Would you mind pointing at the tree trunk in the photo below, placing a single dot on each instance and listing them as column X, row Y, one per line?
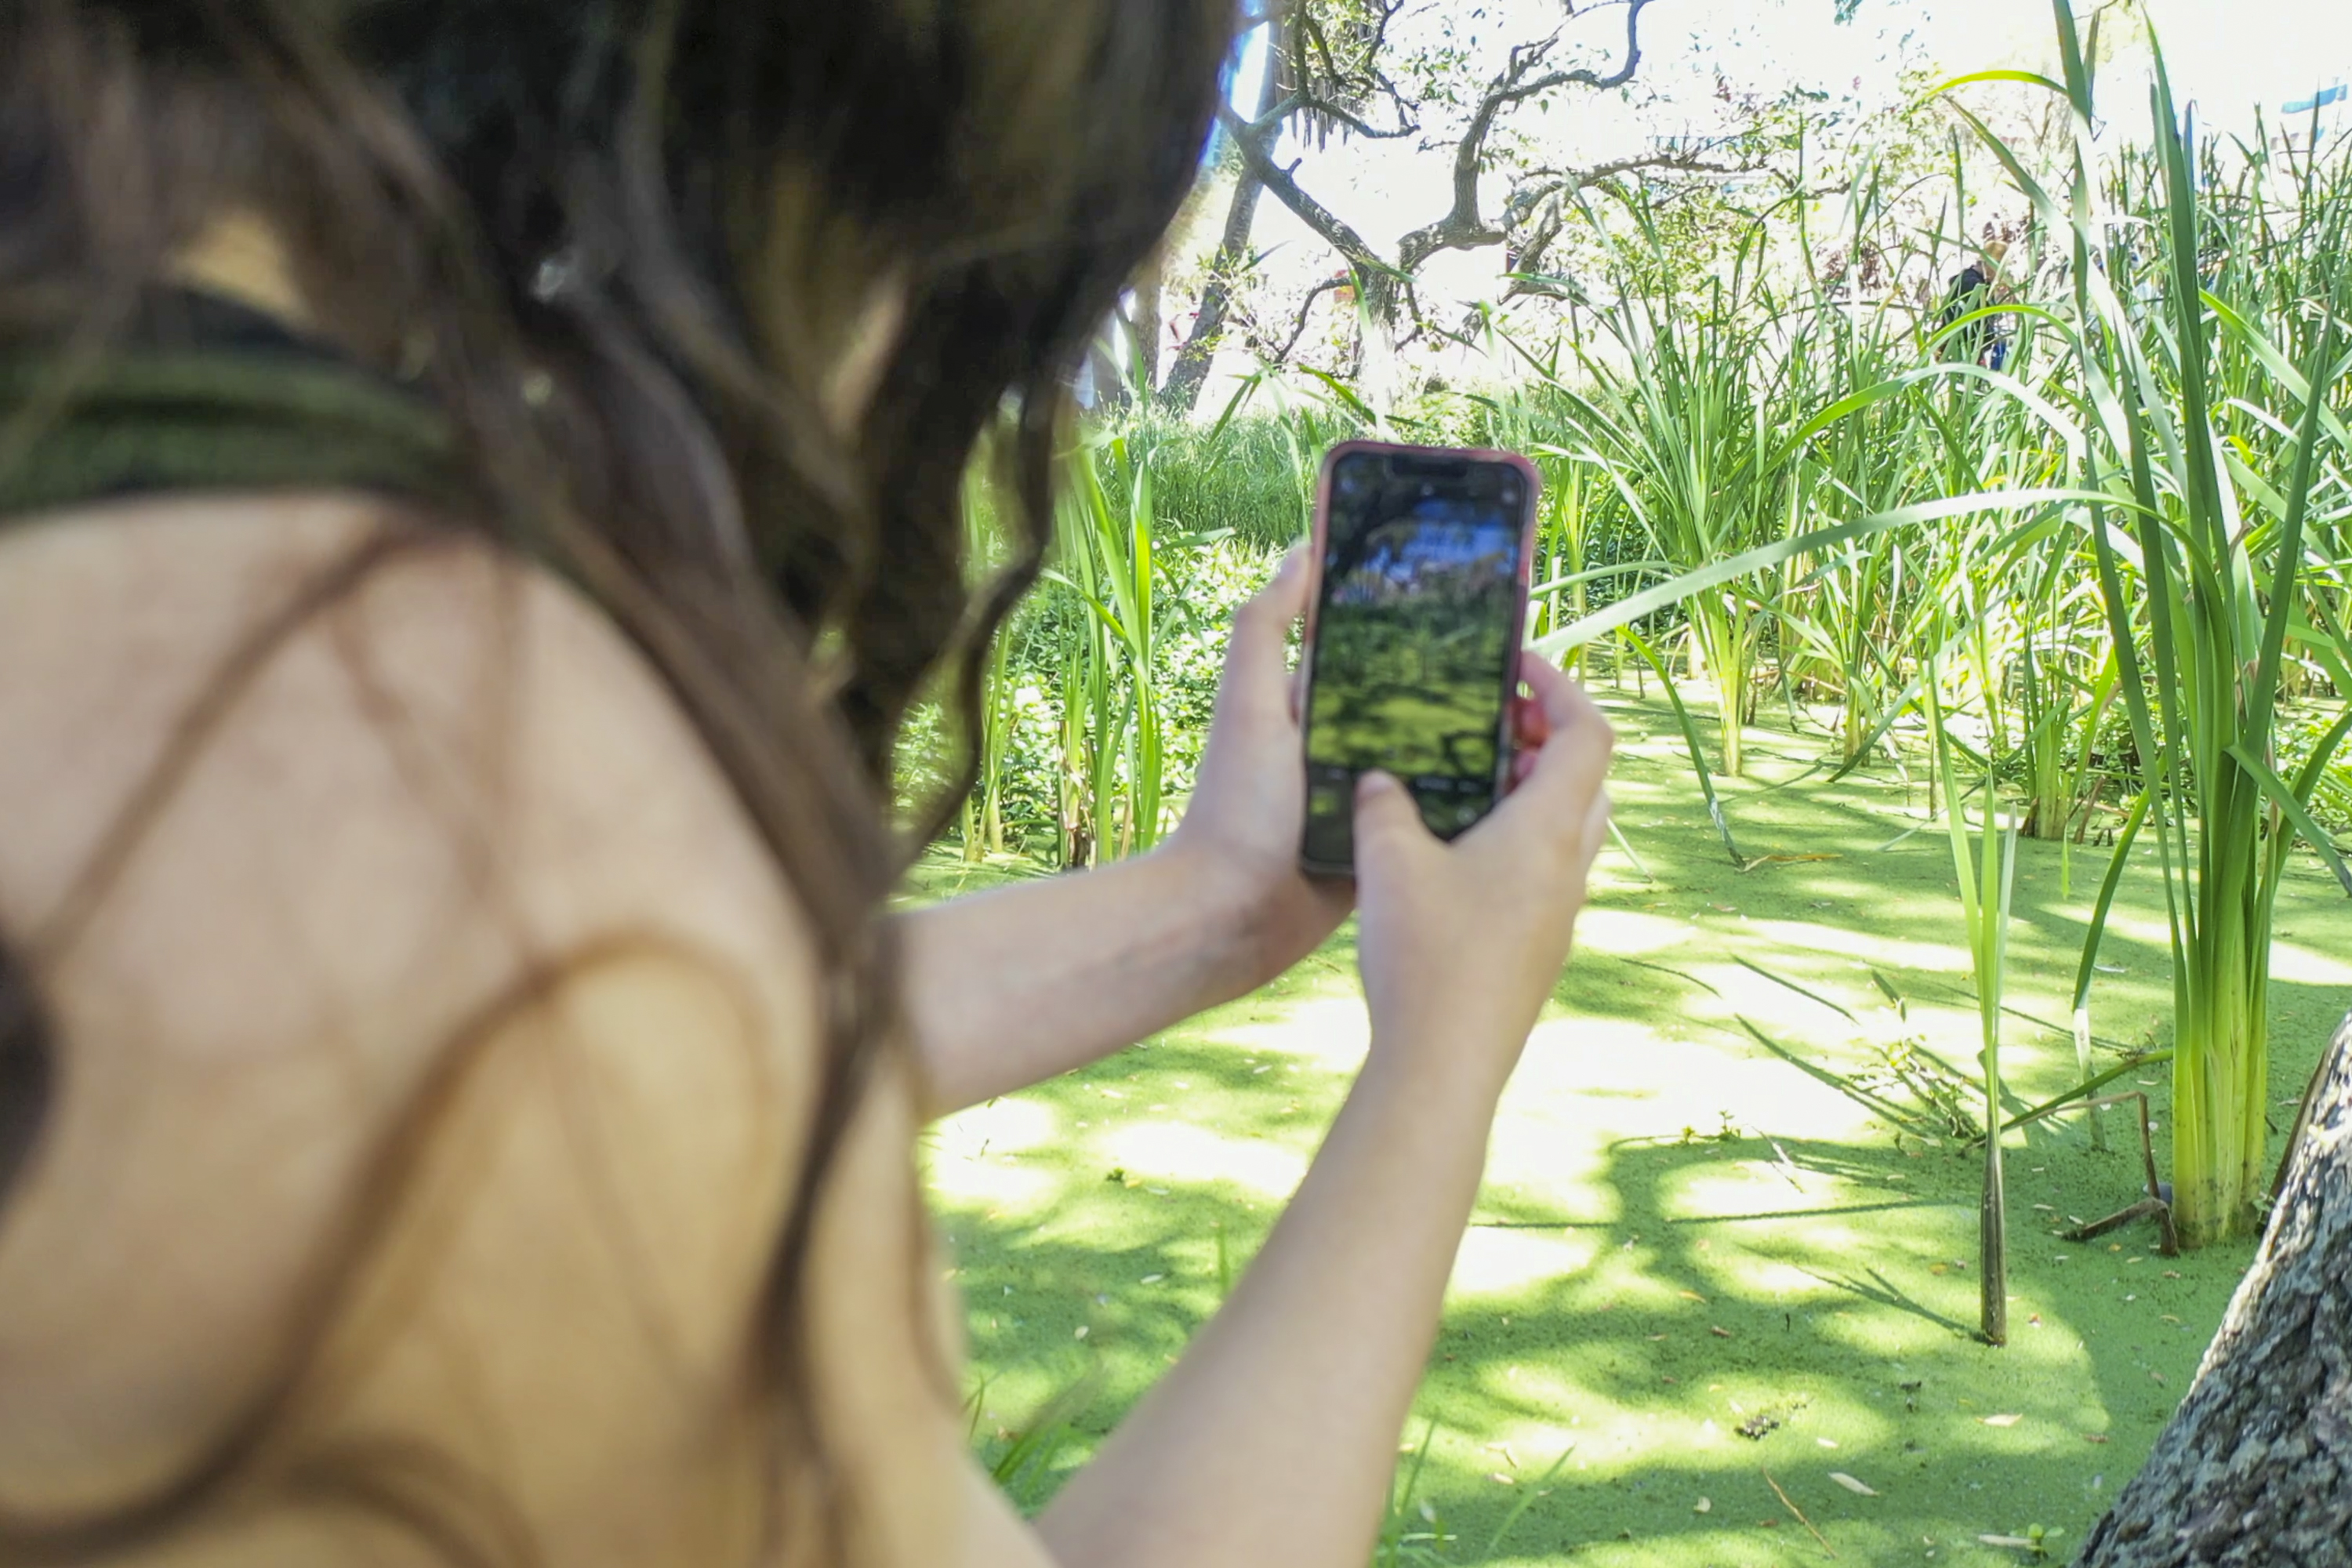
column 2255, row 1468
column 1190, row 368
column 1182, row 389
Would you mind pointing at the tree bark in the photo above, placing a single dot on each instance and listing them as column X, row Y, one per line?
column 2255, row 1468
column 1199, row 353
column 1182, row 389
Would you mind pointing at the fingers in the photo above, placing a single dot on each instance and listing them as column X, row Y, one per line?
column 1388, row 829
column 1557, row 697
column 1268, row 616
column 1257, row 656
column 1530, row 726
column 1566, row 771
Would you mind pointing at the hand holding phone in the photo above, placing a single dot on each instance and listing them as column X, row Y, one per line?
column 1461, row 944
column 1422, row 558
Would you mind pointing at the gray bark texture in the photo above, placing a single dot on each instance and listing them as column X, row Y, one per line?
column 2255, row 1468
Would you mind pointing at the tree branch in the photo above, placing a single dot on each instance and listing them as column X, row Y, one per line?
column 1464, row 227
column 1680, row 162
column 1327, row 225
column 1406, row 124
column 1306, row 310
column 1583, row 77
column 1556, row 185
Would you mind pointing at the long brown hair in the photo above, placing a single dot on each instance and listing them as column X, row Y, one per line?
column 625, row 244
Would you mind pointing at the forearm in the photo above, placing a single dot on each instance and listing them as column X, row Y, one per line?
column 1274, row 1441
column 1008, row 988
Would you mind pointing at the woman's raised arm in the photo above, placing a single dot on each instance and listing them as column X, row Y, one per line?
column 1010, row 987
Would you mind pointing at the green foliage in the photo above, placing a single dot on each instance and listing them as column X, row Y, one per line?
column 2210, row 472
column 2084, row 532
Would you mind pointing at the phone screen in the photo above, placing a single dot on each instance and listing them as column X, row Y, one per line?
column 1417, row 621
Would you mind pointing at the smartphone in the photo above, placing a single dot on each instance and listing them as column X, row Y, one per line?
column 1422, row 558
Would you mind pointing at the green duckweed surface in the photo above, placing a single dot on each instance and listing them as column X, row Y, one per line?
column 1709, row 1259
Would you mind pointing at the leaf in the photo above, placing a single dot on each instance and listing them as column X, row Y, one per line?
column 2296, row 811
column 2001, row 1420
column 1690, row 738
column 2028, row 78
column 1625, row 612
column 1850, row 1484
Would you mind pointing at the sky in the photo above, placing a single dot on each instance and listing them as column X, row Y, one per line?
column 2226, row 56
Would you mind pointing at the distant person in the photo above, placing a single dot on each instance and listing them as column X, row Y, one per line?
column 479, row 494
column 1978, row 342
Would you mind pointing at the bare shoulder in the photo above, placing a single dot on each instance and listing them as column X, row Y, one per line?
column 377, row 727
column 306, row 838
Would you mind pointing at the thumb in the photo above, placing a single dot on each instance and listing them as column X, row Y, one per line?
column 1388, row 829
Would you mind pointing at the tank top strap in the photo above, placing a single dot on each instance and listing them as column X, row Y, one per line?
column 203, row 395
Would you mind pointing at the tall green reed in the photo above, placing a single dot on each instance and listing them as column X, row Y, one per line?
column 2200, row 539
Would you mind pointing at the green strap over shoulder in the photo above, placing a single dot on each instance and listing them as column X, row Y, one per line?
column 145, row 421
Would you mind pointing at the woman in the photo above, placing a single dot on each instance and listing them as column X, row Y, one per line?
column 477, row 495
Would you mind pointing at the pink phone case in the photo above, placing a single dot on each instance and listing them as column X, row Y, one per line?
column 1319, row 547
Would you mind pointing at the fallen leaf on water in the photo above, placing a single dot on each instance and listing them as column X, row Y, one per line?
column 1850, row 1484
column 2001, row 1420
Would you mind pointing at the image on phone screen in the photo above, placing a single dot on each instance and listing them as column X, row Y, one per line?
column 1417, row 617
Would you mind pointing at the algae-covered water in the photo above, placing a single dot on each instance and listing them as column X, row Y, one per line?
column 1702, row 1268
